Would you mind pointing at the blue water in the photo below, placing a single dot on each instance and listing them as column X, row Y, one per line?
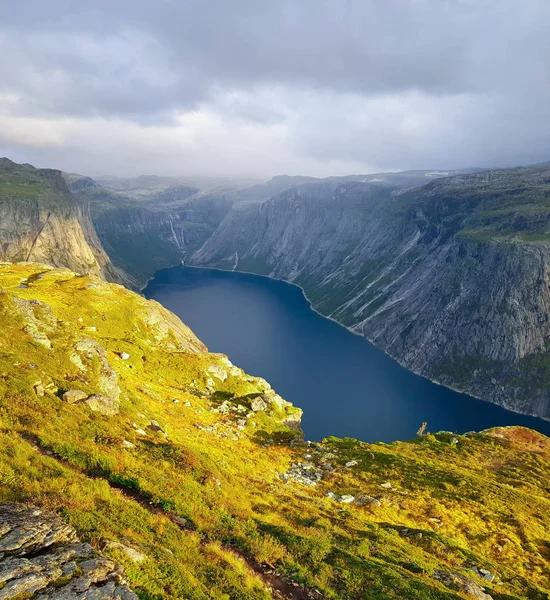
column 345, row 385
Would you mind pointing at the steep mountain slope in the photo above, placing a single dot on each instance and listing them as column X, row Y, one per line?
column 148, row 223
column 156, row 229
column 193, row 475
column 450, row 278
column 41, row 220
column 144, row 235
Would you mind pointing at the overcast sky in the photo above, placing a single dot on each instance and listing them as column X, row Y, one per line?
column 264, row 87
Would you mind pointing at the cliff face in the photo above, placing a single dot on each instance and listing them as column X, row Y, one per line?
column 148, row 233
column 451, row 279
column 40, row 220
column 170, row 462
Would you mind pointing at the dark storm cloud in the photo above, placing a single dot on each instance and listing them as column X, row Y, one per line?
column 387, row 83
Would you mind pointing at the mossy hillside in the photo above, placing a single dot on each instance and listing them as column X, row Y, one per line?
column 43, row 189
column 203, row 498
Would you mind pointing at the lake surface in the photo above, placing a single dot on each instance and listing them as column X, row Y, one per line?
column 345, row 385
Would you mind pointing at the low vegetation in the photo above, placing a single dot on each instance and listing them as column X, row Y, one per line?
column 203, row 471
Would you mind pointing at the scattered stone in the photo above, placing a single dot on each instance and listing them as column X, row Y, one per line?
column 351, row 463
column 51, row 388
column 459, row 582
column 453, row 441
column 258, row 404
column 304, row 473
column 487, row 575
column 346, row 499
column 180, row 522
column 128, row 445
column 41, row 557
column 73, row 396
column 124, row 355
column 39, row 389
column 437, row 522
column 102, row 404
column 365, row 500
column 386, row 485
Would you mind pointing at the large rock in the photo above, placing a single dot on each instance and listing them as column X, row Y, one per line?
column 102, row 404
column 458, row 582
column 90, row 353
column 41, row 558
column 73, row 396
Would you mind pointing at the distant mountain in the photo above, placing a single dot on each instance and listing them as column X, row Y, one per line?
column 145, row 187
column 405, row 179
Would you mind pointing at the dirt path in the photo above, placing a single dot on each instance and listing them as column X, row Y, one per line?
column 280, row 586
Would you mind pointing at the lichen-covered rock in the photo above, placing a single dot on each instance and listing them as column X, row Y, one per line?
column 458, row 582
column 102, row 404
column 91, row 353
column 41, row 558
column 258, row 404
column 73, row 396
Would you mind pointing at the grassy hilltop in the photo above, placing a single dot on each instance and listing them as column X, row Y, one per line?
column 196, row 478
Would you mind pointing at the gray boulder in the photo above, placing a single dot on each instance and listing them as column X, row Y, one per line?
column 74, row 396
column 102, row 404
column 458, row 582
column 41, row 558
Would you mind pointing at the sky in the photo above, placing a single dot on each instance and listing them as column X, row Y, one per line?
column 255, row 88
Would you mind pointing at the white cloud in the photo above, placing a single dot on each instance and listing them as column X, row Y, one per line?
column 260, row 87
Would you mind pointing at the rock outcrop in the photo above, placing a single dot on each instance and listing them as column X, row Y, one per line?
column 42, row 558
column 42, row 221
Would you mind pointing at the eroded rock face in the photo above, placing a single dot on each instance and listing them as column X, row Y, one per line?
column 48, row 224
column 41, row 558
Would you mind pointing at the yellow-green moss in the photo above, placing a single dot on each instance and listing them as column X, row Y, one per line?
column 483, row 501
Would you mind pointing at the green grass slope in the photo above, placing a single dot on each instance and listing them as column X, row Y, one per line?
column 173, row 452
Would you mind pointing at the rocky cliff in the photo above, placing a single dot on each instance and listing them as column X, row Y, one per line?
column 171, row 463
column 40, row 220
column 153, row 230
column 451, row 279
